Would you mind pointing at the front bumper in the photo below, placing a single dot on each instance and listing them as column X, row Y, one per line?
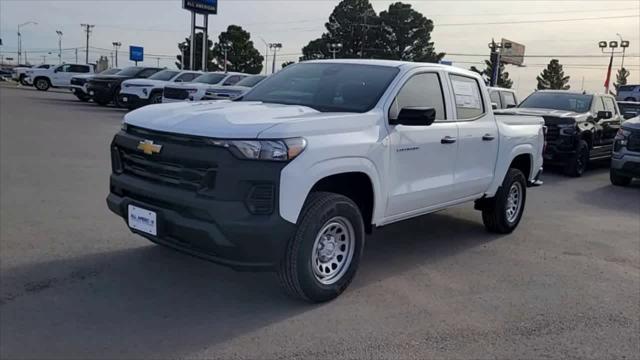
column 216, row 222
column 132, row 101
column 102, row 93
column 626, row 163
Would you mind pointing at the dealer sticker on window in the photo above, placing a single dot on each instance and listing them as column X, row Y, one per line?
column 143, row 220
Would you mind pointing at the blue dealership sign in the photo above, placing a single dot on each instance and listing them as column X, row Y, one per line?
column 201, row 6
column 136, row 53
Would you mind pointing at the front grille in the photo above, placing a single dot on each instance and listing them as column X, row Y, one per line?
column 261, row 198
column 167, row 172
column 175, row 93
column 633, row 143
column 553, row 132
column 100, row 84
column 78, row 82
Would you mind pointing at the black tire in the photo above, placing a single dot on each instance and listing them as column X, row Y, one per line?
column 494, row 211
column 617, row 179
column 82, row 97
column 23, row 80
column 578, row 163
column 42, row 84
column 116, row 100
column 101, row 102
column 296, row 271
column 155, row 98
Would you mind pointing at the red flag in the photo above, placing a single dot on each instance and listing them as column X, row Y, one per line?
column 608, row 80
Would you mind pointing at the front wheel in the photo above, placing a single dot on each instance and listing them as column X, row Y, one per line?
column 42, row 84
column 155, row 98
column 578, row 163
column 82, row 97
column 322, row 257
column 617, row 179
column 23, row 80
column 503, row 212
column 117, row 101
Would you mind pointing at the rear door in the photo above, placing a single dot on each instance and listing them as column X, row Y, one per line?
column 478, row 140
column 422, row 158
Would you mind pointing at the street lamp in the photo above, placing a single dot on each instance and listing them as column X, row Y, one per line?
column 266, row 55
column 20, row 38
column 225, row 47
column 59, row 46
column 116, row 46
column 275, row 47
column 334, row 48
column 624, row 44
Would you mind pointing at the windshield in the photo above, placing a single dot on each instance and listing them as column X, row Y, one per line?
column 130, row 71
column 164, row 75
column 327, row 87
column 209, row 78
column 250, row 81
column 558, row 101
column 110, row 71
column 629, row 110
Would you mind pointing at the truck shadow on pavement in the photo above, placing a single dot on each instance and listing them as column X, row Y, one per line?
column 149, row 300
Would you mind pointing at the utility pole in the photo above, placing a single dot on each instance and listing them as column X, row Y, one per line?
column 275, row 47
column 334, row 48
column 495, row 60
column 20, row 38
column 59, row 46
column 87, row 29
column 76, row 55
column 158, row 61
column 116, row 46
column 624, row 44
column 225, row 47
column 266, row 55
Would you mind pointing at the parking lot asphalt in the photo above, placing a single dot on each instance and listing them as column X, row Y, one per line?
column 75, row 283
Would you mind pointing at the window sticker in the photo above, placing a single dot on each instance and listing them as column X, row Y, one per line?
column 466, row 97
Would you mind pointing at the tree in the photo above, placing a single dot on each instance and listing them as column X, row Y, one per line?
column 621, row 78
column 405, row 34
column 503, row 76
column 185, row 48
column 552, row 78
column 287, row 63
column 355, row 25
column 242, row 55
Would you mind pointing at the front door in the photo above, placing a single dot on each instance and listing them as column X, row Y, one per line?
column 422, row 158
column 59, row 74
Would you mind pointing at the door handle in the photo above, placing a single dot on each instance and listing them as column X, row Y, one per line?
column 488, row 137
column 448, row 140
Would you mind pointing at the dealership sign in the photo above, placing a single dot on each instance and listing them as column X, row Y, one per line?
column 512, row 53
column 201, row 6
column 136, row 53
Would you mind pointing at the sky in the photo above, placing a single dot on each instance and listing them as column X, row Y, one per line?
column 461, row 27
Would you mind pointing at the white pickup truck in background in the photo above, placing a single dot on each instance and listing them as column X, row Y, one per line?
column 197, row 89
column 57, row 76
column 292, row 175
column 135, row 93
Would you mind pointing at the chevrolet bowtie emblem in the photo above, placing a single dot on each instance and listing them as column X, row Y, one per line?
column 148, row 147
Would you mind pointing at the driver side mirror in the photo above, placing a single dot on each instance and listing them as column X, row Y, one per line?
column 415, row 116
column 178, row 80
column 494, row 106
column 604, row 115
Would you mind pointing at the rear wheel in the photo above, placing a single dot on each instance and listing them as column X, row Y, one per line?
column 502, row 213
column 323, row 255
column 617, row 179
column 578, row 163
column 42, row 84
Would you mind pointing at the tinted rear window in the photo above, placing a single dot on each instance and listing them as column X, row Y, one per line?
column 130, row 71
column 558, row 101
column 327, row 87
column 164, row 75
column 209, row 78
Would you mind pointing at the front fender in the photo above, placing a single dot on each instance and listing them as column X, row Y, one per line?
column 297, row 180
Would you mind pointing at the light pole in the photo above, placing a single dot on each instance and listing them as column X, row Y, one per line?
column 20, row 38
column 613, row 45
column 266, row 55
column 116, row 46
column 624, row 44
column 275, row 47
column 59, row 46
column 334, row 48
column 225, row 47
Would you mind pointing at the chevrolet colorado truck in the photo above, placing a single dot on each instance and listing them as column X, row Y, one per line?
column 197, row 89
column 105, row 89
column 78, row 83
column 625, row 161
column 291, row 176
column 56, row 76
column 136, row 93
column 20, row 73
column 580, row 126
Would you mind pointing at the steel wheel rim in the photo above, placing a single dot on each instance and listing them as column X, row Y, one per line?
column 333, row 250
column 41, row 84
column 514, row 202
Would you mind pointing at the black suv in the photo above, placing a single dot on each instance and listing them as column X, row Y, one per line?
column 105, row 89
column 580, row 127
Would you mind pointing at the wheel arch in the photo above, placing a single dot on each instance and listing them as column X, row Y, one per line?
column 333, row 175
column 522, row 156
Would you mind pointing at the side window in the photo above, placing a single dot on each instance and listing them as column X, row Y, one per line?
column 421, row 90
column 598, row 104
column 609, row 105
column 469, row 103
column 78, row 69
column 146, row 73
column 231, row 80
column 495, row 98
column 64, row 68
column 508, row 99
column 186, row 77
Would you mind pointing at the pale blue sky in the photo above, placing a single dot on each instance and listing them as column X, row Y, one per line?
column 159, row 24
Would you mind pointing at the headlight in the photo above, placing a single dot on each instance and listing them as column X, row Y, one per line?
column 274, row 150
column 621, row 139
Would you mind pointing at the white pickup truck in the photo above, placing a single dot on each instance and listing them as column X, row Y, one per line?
column 292, row 175
column 58, row 76
column 135, row 93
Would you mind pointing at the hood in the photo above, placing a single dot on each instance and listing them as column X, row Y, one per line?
column 551, row 116
column 218, row 89
column 633, row 123
column 190, row 85
column 216, row 119
column 110, row 77
column 156, row 83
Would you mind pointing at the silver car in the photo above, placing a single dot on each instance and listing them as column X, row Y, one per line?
column 625, row 161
